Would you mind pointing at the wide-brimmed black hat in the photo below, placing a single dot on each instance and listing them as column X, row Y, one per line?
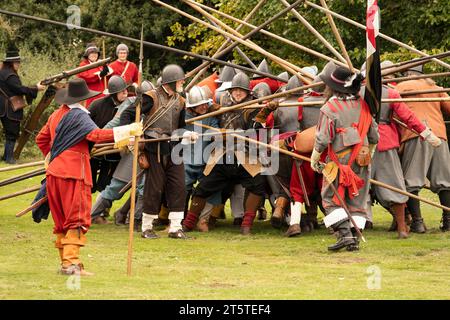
column 12, row 54
column 76, row 91
column 341, row 79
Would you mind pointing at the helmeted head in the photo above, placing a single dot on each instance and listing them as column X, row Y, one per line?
column 173, row 76
column 226, row 75
column 118, row 87
column 240, row 87
column 262, row 89
column 294, row 82
column 263, row 67
column 198, row 99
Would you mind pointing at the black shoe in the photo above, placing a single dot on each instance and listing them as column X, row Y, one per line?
column 276, row 222
column 354, row 246
column 149, row 234
column 120, row 218
column 417, row 226
column 237, row 221
column 178, row 235
column 445, row 226
column 345, row 236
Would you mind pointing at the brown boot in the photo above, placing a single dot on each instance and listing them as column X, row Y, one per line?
column 399, row 213
column 100, row 220
column 72, row 242
column 59, row 246
column 202, row 225
column 294, row 230
column 278, row 213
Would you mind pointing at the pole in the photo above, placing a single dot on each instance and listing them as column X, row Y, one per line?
column 390, row 39
column 19, row 193
column 338, row 37
column 21, row 166
column 422, row 76
column 32, row 207
column 146, row 43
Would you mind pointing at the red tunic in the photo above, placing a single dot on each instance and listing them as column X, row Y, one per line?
column 93, row 80
column 69, row 178
column 210, row 83
column 389, row 133
column 130, row 75
column 274, row 85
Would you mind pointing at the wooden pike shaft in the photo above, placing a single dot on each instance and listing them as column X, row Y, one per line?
column 283, row 63
column 32, row 207
column 431, row 57
column 277, row 37
column 19, row 193
column 423, row 76
column 408, row 65
column 22, row 177
column 21, row 166
column 412, row 93
column 314, row 31
column 338, row 36
column 199, row 71
column 298, row 156
column 390, row 39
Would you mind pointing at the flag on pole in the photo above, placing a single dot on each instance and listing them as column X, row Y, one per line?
column 372, row 93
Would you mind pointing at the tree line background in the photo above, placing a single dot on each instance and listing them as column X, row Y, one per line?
column 49, row 49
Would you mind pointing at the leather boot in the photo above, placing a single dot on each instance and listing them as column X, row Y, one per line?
column 202, row 225
column 305, row 223
column 215, row 214
column 417, row 224
column 9, row 151
column 98, row 210
column 278, row 213
column 120, row 216
column 345, row 236
column 444, row 197
column 72, row 242
column 59, row 245
column 355, row 246
column 293, row 230
column 399, row 213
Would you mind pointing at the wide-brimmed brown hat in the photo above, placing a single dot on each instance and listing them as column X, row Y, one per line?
column 341, row 79
column 76, row 91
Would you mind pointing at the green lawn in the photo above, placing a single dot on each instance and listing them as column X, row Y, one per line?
column 222, row 264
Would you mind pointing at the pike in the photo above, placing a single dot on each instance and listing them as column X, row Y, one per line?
column 283, row 63
column 135, row 158
column 409, row 65
column 390, row 39
column 314, row 32
column 437, row 56
column 19, row 193
column 67, row 74
column 35, row 205
column 21, row 177
column 274, row 36
column 298, row 156
column 21, row 166
column 422, row 76
column 411, row 93
column 338, row 36
column 199, row 73
column 146, row 43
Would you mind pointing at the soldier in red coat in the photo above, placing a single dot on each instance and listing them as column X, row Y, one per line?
column 124, row 68
column 94, row 77
column 64, row 142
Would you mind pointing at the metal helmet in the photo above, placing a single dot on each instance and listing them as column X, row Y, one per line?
column 240, row 80
column 418, row 68
column 312, row 70
column 116, row 84
column 293, row 83
column 263, row 67
column 147, row 86
column 320, row 88
column 197, row 96
column 284, row 75
column 158, row 82
column 172, row 73
column 227, row 74
column 262, row 89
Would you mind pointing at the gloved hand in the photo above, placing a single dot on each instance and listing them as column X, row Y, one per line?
column 104, row 71
column 431, row 138
column 136, row 129
column 189, row 137
column 315, row 161
column 50, row 92
column 273, row 105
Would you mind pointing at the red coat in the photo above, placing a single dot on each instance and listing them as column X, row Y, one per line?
column 131, row 74
column 389, row 133
column 93, row 80
column 73, row 163
column 273, row 84
column 211, row 83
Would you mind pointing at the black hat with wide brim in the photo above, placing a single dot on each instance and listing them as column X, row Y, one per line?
column 76, row 91
column 341, row 79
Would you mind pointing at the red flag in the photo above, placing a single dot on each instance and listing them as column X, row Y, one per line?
column 373, row 69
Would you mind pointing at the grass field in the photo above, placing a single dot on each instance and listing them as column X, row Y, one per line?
column 222, row 264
